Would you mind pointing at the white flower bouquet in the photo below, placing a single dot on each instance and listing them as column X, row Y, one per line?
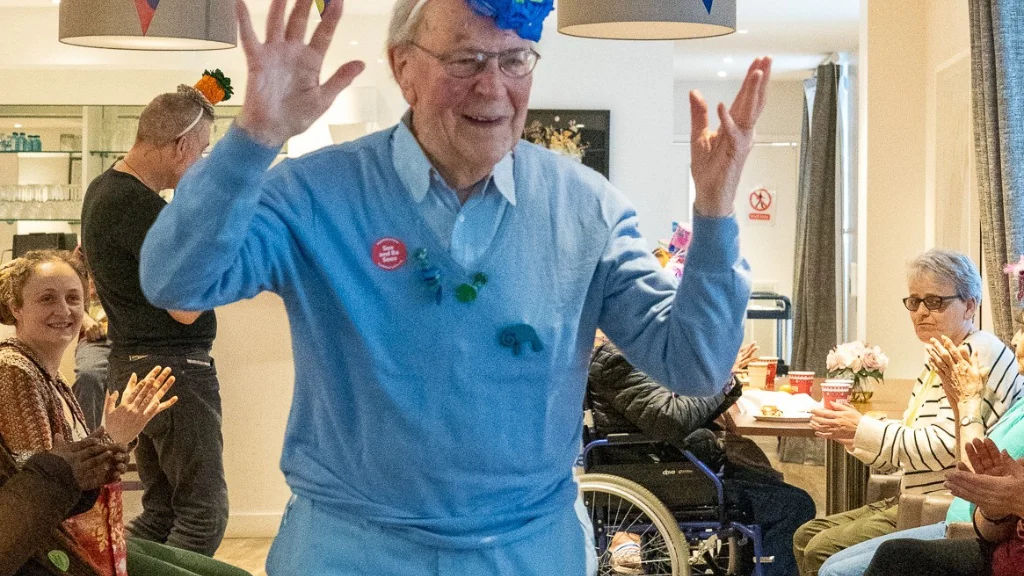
column 857, row 362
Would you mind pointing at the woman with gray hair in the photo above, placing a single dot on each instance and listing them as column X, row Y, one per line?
column 944, row 293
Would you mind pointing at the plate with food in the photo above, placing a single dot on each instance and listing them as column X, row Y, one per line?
column 774, row 414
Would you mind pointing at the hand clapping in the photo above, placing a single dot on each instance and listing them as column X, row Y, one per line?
column 962, row 375
column 93, row 463
column 140, row 403
column 995, row 485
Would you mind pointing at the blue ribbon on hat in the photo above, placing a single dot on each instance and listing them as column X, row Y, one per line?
column 526, row 17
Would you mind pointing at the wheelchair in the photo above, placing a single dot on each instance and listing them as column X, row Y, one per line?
column 675, row 503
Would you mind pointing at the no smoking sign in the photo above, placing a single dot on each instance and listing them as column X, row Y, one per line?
column 762, row 205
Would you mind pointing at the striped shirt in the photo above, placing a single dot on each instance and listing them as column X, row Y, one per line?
column 923, row 443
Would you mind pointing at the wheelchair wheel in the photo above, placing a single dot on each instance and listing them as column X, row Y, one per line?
column 618, row 505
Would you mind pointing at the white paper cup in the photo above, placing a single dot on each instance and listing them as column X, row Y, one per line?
column 758, row 374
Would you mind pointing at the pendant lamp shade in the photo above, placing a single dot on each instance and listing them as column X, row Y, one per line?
column 646, row 19
column 149, row 24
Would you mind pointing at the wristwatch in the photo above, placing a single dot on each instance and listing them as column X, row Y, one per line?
column 968, row 420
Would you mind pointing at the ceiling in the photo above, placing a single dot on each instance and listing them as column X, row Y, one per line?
column 798, row 34
column 352, row 6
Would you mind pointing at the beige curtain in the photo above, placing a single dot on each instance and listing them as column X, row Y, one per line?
column 997, row 75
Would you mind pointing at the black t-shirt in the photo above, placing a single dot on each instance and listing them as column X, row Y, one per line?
column 116, row 215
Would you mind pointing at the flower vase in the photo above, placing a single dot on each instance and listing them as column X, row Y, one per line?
column 862, row 390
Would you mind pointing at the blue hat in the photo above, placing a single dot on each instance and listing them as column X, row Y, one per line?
column 526, row 17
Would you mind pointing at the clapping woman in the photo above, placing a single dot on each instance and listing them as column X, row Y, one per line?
column 42, row 296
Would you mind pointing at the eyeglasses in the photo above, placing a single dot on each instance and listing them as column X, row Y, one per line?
column 930, row 302
column 514, row 63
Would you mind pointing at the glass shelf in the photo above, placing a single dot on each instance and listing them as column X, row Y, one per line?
column 43, row 154
column 57, row 210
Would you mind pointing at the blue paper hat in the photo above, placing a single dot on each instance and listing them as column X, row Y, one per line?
column 526, row 17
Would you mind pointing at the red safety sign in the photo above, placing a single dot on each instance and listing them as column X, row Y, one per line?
column 760, row 205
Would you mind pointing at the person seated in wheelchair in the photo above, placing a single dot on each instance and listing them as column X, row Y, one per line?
column 624, row 400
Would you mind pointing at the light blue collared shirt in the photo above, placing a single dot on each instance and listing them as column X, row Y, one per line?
column 450, row 423
column 467, row 231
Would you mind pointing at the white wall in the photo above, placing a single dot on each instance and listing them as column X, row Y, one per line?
column 904, row 43
column 634, row 81
column 893, row 66
column 768, row 247
column 780, row 121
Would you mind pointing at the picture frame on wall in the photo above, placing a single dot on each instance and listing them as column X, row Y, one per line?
column 581, row 134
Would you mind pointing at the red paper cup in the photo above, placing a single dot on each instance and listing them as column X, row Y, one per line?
column 801, row 382
column 834, row 392
column 773, row 367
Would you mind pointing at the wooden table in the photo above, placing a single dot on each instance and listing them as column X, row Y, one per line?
column 846, row 478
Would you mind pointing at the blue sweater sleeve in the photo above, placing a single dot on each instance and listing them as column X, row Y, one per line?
column 229, row 232
column 685, row 338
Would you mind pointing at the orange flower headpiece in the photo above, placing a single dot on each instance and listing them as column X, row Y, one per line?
column 215, row 86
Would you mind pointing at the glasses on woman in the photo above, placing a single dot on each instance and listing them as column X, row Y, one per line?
column 514, row 63
column 930, row 302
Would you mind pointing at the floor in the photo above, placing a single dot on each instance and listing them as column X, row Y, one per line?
column 250, row 554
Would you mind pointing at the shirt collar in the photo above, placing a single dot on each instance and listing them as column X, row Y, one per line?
column 415, row 170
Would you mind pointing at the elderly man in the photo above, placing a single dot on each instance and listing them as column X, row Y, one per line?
column 443, row 281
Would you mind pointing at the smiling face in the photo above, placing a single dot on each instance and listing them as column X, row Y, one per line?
column 465, row 125
column 954, row 319
column 52, row 305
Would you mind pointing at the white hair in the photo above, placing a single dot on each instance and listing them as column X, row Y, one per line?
column 405, row 22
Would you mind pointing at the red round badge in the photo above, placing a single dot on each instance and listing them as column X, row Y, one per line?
column 389, row 253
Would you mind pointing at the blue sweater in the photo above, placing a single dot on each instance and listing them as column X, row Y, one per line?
column 412, row 414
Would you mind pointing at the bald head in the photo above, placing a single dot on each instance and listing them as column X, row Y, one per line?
column 172, row 115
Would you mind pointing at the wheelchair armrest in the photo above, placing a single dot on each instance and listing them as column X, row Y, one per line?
column 615, row 440
column 960, row 531
column 882, row 486
column 628, row 438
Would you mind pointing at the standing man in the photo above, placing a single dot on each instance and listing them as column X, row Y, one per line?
column 443, row 281
column 179, row 454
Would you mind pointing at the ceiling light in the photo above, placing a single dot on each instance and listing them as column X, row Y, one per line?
column 56, row 1
column 727, row 59
column 149, row 24
column 17, row 124
column 743, row 31
column 646, row 19
column 354, row 42
column 722, row 74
